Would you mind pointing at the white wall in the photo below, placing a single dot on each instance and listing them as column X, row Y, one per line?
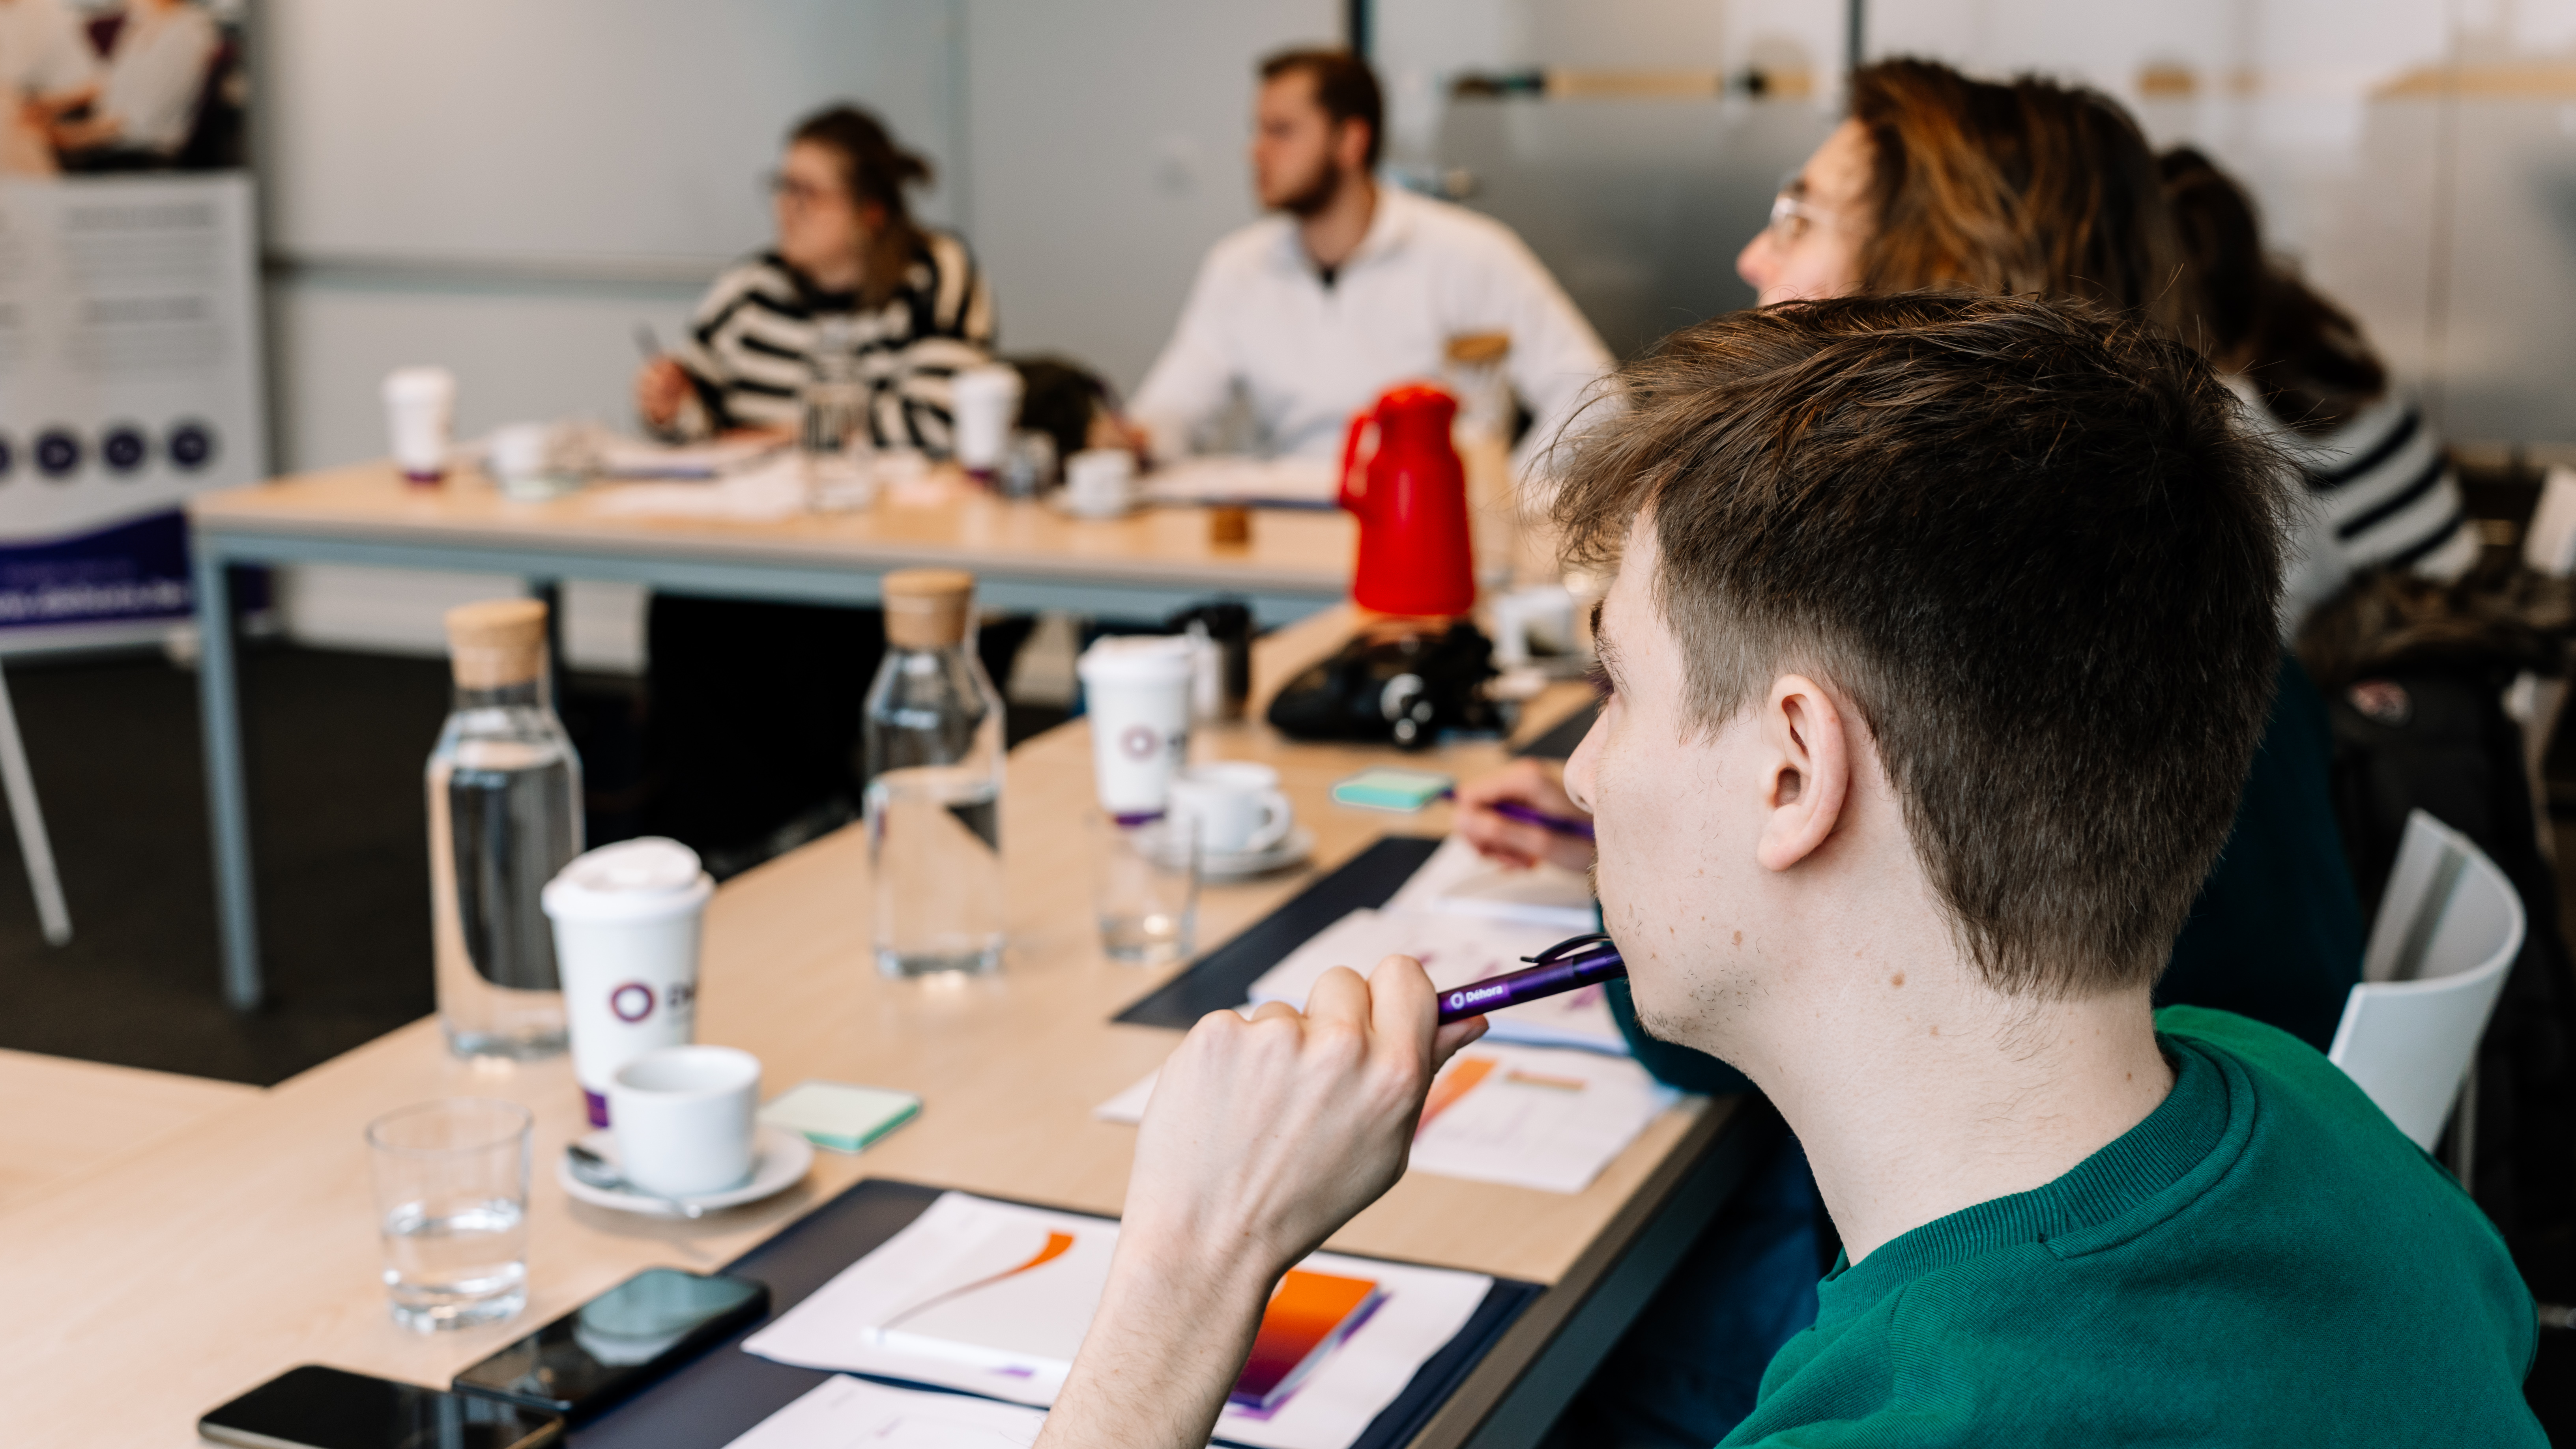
column 508, row 187
column 1106, row 152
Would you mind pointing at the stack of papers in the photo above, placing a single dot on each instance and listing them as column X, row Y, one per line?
column 622, row 457
column 993, row 1299
column 1457, row 881
column 1455, row 950
column 1519, row 1116
column 763, row 494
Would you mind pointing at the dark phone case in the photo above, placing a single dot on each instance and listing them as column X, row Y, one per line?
column 329, row 1401
column 705, row 1336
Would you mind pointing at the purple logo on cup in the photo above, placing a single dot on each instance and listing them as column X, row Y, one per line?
column 1140, row 742
column 632, row 1002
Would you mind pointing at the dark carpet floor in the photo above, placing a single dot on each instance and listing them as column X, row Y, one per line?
column 336, row 745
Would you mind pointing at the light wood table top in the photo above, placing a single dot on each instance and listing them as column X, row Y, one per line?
column 1290, row 550
column 61, row 1118
column 162, row 1284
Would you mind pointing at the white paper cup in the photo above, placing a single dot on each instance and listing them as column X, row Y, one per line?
column 626, row 920
column 420, row 414
column 684, row 1118
column 1136, row 690
column 1100, row 482
column 985, row 402
column 1236, row 805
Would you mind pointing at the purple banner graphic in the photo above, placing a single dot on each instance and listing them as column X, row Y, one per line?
column 136, row 571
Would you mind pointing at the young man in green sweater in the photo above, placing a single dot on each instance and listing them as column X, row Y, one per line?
column 1940, row 637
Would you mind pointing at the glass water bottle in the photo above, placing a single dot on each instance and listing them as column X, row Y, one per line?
column 833, row 428
column 504, row 816
column 934, row 784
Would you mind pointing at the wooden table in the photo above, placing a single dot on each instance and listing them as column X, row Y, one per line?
column 148, row 1291
column 61, row 1118
column 1025, row 557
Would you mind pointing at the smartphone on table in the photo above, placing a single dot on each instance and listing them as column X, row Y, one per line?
column 326, row 1408
column 617, row 1342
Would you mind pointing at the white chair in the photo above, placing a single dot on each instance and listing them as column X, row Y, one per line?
column 2448, row 930
column 54, row 916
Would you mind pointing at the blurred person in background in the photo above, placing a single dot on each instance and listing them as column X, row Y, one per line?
column 47, row 71
column 2389, row 494
column 1940, row 182
column 147, row 100
column 753, row 709
column 1351, row 287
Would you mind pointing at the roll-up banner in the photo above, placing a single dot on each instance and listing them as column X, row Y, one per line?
column 129, row 321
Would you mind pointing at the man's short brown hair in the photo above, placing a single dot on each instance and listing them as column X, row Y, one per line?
column 1344, row 86
column 2026, row 542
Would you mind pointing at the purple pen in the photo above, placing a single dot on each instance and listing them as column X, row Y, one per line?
column 1566, row 966
column 1531, row 815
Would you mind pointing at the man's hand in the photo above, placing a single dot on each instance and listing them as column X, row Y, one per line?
column 1264, row 1136
column 662, row 387
column 1537, row 784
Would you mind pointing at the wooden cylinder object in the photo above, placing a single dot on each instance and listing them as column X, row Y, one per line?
column 927, row 608
column 497, row 643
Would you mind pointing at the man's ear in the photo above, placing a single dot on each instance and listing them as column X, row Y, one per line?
column 1807, row 764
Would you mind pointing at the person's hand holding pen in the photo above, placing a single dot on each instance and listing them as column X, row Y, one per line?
column 662, row 386
column 1263, row 1137
column 1520, row 815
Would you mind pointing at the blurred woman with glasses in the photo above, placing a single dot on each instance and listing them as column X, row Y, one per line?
column 910, row 300
column 752, row 709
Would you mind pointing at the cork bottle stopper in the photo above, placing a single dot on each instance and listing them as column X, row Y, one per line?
column 1477, row 348
column 927, row 608
column 497, row 643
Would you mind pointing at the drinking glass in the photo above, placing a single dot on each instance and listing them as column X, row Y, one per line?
column 452, row 1202
column 1145, row 887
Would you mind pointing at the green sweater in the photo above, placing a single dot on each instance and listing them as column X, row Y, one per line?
column 2264, row 1260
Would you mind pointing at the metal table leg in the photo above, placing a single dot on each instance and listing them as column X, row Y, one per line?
column 227, row 796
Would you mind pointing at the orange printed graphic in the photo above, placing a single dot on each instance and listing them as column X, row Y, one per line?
column 1057, row 1244
column 1309, row 1314
column 1462, row 1079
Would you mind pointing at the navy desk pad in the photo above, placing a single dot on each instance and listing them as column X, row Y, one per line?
column 722, row 1393
column 1223, row 977
column 1561, row 738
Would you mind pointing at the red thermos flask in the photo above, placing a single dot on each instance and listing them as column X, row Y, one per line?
column 1410, row 494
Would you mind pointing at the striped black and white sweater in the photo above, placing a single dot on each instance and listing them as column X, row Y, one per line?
column 2388, row 492
column 751, row 345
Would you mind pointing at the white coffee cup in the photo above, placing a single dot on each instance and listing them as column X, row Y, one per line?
column 1100, row 482
column 1237, row 804
column 626, row 921
column 985, row 402
column 420, row 413
column 1136, row 689
column 1527, row 620
column 684, row 1119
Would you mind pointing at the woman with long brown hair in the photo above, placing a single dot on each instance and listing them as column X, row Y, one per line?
column 2389, row 495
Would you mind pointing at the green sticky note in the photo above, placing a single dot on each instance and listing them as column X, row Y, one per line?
column 1390, row 789
column 840, row 1116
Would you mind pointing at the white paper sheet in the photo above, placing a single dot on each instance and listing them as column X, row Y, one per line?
column 1455, row 950
column 762, row 494
column 1457, row 881
column 848, row 1413
column 1520, row 1116
column 1308, row 482
column 956, row 1243
column 623, row 457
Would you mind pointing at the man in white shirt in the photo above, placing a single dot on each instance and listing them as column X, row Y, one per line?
column 1352, row 287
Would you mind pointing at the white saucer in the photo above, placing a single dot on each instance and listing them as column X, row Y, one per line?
column 779, row 1160
column 1240, row 864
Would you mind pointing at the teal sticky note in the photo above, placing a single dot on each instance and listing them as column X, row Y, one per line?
column 1383, row 788
column 840, row 1116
